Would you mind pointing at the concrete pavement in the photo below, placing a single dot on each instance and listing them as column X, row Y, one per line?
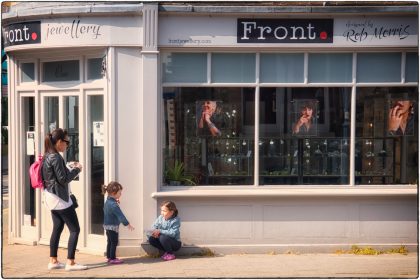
column 22, row 261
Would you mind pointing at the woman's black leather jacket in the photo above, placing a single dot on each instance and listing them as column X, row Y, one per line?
column 57, row 176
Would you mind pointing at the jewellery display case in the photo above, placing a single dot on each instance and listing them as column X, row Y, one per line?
column 220, row 160
column 375, row 160
column 304, row 160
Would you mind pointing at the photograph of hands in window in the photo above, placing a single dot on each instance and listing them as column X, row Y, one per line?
column 209, row 116
column 400, row 117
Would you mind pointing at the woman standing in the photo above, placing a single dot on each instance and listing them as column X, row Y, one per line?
column 56, row 178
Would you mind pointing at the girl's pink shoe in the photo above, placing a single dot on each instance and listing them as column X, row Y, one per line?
column 164, row 256
column 169, row 257
column 116, row 261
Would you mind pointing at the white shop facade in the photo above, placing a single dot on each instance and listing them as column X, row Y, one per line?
column 129, row 85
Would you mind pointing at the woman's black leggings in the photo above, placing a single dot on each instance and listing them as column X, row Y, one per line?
column 112, row 242
column 66, row 216
column 165, row 243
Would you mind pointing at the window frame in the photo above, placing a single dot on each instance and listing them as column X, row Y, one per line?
column 53, row 83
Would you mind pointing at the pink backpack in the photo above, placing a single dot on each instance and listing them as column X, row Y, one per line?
column 35, row 173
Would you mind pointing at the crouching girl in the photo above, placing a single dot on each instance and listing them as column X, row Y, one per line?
column 165, row 234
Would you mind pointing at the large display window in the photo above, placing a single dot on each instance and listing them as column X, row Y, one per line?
column 387, row 135
column 303, row 133
column 210, row 135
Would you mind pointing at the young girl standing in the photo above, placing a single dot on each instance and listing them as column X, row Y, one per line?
column 165, row 233
column 113, row 216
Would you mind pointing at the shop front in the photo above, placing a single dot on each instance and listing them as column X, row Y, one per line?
column 295, row 131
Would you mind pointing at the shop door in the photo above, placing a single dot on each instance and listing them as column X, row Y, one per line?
column 61, row 110
column 82, row 115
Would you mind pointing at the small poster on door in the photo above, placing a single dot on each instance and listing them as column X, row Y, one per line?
column 30, row 143
column 98, row 134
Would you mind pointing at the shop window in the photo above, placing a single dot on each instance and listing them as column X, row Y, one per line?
column 205, row 135
column 27, row 73
column 60, row 71
column 233, row 68
column 94, row 68
column 387, row 136
column 309, row 141
column 184, row 68
column 28, row 158
column 71, row 107
column 330, row 68
column 378, row 67
column 51, row 116
column 96, row 141
column 412, row 67
column 281, row 68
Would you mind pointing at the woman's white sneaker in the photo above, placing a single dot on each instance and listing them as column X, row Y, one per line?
column 56, row 265
column 76, row 266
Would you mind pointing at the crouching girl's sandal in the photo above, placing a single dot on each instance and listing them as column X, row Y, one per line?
column 169, row 257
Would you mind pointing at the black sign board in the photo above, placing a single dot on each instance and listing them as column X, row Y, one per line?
column 22, row 33
column 285, row 30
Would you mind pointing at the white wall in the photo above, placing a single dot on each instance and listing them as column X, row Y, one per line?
column 128, row 136
column 303, row 224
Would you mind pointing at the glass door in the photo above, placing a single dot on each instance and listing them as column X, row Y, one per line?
column 96, row 143
column 61, row 110
column 29, row 156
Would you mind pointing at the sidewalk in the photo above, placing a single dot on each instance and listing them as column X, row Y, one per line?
column 21, row 261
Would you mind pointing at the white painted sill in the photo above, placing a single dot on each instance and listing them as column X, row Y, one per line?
column 250, row 192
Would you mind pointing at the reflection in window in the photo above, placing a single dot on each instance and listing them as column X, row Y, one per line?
column 71, row 107
column 387, row 136
column 330, row 67
column 378, row 67
column 281, row 68
column 233, row 68
column 94, row 68
column 59, row 71
column 205, row 134
column 27, row 72
column 304, row 135
column 184, row 67
column 51, row 114
column 412, row 67
column 96, row 147
column 28, row 157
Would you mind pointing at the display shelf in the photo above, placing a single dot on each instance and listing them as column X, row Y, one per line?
column 304, row 158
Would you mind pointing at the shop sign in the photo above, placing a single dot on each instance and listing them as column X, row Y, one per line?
column 22, row 33
column 74, row 30
column 285, row 30
column 374, row 31
column 92, row 31
column 377, row 31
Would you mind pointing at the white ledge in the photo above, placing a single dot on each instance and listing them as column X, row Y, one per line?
column 325, row 192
